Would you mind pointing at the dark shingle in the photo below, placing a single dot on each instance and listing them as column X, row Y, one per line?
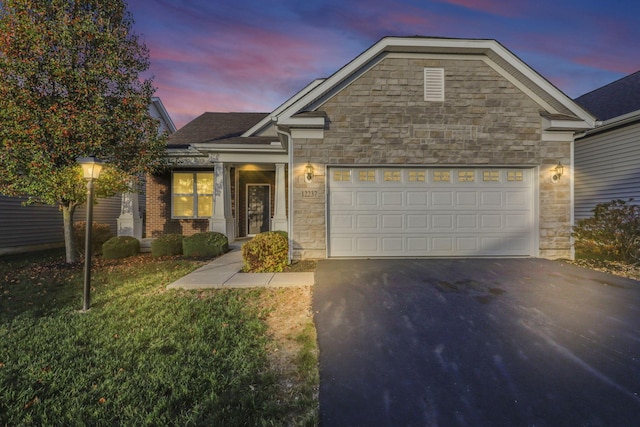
column 211, row 127
column 615, row 99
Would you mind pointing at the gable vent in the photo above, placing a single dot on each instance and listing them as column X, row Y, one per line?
column 434, row 84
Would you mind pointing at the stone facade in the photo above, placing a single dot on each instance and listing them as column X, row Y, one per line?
column 381, row 118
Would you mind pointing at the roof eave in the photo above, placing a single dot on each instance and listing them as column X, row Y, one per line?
column 565, row 125
column 434, row 45
column 616, row 122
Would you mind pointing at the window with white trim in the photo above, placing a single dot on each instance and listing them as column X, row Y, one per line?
column 434, row 84
column 191, row 194
column 393, row 175
column 515, row 176
column 342, row 175
column 367, row 175
column 417, row 176
column 442, row 176
column 491, row 176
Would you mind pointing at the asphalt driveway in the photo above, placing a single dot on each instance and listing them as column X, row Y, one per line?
column 476, row 342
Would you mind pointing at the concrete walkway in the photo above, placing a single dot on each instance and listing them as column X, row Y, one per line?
column 223, row 272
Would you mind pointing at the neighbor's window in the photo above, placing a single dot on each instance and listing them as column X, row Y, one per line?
column 192, row 194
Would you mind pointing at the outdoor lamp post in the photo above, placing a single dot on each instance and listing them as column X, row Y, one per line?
column 91, row 168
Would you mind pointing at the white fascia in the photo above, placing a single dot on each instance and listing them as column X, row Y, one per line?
column 274, row 114
column 157, row 102
column 550, row 124
column 434, row 46
column 239, row 148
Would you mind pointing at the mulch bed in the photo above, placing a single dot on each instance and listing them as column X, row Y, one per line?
column 631, row 271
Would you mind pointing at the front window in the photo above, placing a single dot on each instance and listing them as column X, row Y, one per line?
column 192, row 194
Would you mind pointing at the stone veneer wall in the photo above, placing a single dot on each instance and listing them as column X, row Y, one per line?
column 382, row 119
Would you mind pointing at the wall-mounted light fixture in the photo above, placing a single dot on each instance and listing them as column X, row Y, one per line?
column 308, row 172
column 559, row 170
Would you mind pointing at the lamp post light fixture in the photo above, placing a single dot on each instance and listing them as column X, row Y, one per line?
column 91, row 168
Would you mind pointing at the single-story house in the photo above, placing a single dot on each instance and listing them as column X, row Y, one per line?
column 418, row 147
column 36, row 227
column 607, row 158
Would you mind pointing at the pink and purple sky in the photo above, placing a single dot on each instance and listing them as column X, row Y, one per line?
column 252, row 55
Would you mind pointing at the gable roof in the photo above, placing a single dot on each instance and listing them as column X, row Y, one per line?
column 165, row 119
column 215, row 128
column 615, row 99
column 500, row 58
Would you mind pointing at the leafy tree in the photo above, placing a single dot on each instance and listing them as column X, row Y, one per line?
column 71, row 86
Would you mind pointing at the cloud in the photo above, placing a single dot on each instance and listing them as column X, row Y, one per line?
column 250, row 55
column 494, row 7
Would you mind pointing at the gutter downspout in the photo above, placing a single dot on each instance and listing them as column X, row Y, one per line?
column 289, row 144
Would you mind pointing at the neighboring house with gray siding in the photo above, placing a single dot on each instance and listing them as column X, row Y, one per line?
column 28, row 228
column 36, row 227
column 607, row 158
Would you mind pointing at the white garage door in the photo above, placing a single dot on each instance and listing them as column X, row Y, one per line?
column 399, row 212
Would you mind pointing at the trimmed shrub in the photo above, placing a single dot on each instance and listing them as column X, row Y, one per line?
column 167, row 245
column 120, row 247
column 209, row 243
column 266, row 253
column 100, row 233
column 612, row 233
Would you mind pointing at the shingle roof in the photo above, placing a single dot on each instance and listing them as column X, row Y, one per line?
column 615, row 99
column 214, row 127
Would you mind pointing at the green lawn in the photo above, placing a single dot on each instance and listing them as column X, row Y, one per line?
column 142, row 355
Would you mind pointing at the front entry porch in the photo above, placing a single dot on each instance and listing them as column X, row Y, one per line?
column 249, row 199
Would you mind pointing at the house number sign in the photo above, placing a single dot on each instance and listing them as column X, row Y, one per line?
column 309, row 194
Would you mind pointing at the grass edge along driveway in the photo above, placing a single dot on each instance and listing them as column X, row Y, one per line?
column 144, row 355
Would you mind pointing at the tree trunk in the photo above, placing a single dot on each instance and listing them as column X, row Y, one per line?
column 69, row 241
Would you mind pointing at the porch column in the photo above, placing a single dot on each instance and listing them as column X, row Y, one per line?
column 129, row 221
column 222, row 219
column 279, row 220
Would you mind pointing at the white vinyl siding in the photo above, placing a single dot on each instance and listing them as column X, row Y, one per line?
column 607, row 168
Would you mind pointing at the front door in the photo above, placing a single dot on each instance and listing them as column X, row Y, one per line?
column 258, row 208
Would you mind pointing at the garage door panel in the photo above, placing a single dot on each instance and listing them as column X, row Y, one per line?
column 431, row 212
column 367, row 244
column 516, row 198
column 441, row 198
column 417, row 198
column 395, row 222
column 367, row 198
column 467, row 221
column 489, row 221
column 342, row 199
column 417, row 244
column 369, row 222
column 442, row 245
column 466, row 244
column 491, row 199
column 393, row 199
column 342, row 223
column 417, row 223
column 440, row 222
column 466, row 198
column 516, row 221
column 393, row 245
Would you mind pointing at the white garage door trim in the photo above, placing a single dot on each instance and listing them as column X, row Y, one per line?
column 431, row 212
